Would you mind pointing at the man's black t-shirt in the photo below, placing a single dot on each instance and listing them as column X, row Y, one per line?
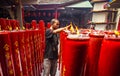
column 51, row 47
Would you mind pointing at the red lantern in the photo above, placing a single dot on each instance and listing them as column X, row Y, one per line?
column 34, row 14
column 44, row 13
column 39, row 14
column 49, row 14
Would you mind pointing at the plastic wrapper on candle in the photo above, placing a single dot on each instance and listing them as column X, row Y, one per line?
column 74, row 55
column 93, row 54
column 109, row 62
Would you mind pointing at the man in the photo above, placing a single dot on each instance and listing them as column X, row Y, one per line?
column 51, row 48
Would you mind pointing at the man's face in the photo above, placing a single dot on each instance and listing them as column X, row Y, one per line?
column 56, row 24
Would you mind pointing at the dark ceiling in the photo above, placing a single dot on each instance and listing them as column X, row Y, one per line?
column 8, row 2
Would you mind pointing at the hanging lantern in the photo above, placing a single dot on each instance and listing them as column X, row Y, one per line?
column 44, row 13
column 39, row 14
column 49, row 14
column 34, row 14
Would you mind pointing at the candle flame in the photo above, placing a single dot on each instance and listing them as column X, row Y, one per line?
column 71, row 28
column 77, row 31
column 116, row 33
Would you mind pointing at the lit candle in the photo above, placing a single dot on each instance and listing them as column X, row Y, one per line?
column 109, row 62
column 74, row 55
column 95, row 43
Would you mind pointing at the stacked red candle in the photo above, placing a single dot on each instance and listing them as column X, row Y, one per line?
column 16, row 53
column 109, row 63
column 34, row 24
column 31, row 35
column 14, row 24
column 3, row 23
column 74, row 55
column 42, row 35
column 28, row 53
column 22, row 49
column 95, row 43
column 8, row 25
column 6, row 59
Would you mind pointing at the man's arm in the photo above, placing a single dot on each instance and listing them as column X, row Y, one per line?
column 60, row 29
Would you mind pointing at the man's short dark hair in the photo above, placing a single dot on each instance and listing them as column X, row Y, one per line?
column 53, row 21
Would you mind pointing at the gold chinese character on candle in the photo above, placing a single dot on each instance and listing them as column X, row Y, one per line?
column 6, row 47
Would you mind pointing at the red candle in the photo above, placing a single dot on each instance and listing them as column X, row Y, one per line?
column 109, row 62
column 48, row 25
column 8, row 25
column 74, row 55
column 93, row 53
column 31, row 35
column 6, row 59
column 42, row 34
column 23, row 54
column 63, row 37
column 34, row 24
column 28, row 52
column 14, row 24
column 16, row 53
column 3, row 23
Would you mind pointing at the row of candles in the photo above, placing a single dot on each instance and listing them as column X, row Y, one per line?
column 90, row 52
column 21, row 51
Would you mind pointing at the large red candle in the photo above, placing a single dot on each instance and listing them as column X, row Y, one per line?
column 16, row 53
column 109, row 62
column 42, row 35
column 21, row 38
column 93, row 53
column 8, row 25
column 14, row 24
column 3, row 23
column 63, row 37
column 31, row 35
column 28, row 52
column 6, row 59
column 34, row 24
column 74, row 54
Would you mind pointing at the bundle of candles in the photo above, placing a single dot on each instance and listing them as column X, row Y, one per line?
column 21, row 50
column 87, row 52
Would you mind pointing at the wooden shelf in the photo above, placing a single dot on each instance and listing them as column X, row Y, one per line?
column 112, row 23
column 98, row 1
column 98, row 11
